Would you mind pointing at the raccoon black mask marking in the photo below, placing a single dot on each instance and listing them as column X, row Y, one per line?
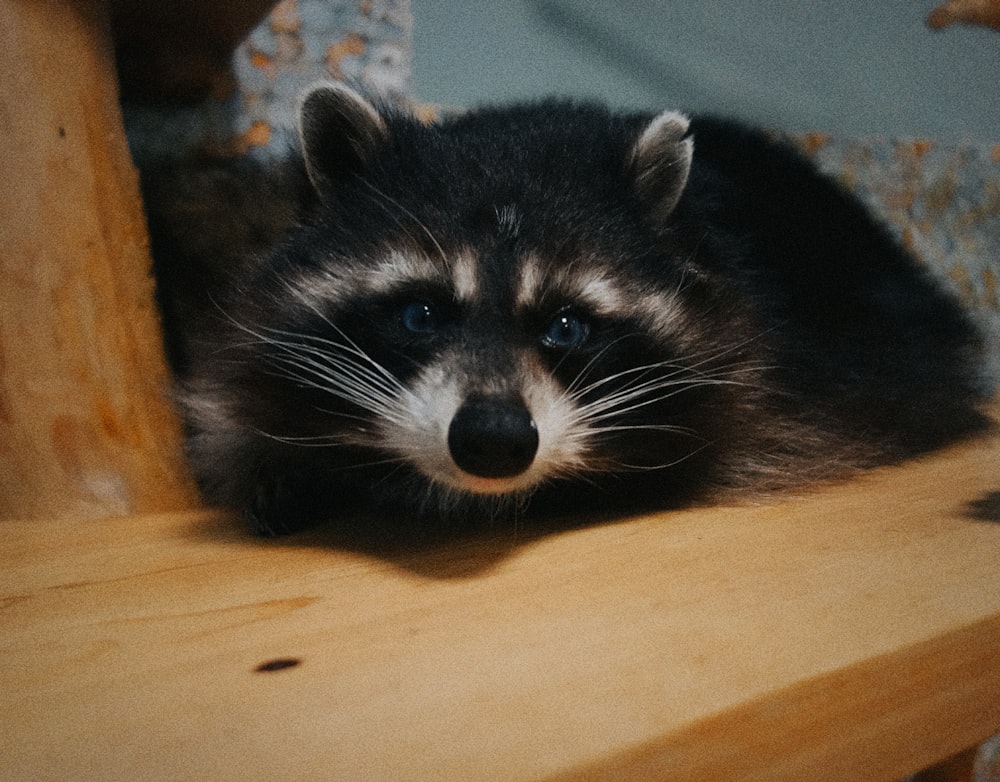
column 544, row 306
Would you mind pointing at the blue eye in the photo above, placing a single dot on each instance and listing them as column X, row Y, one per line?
column 419, row 317
column 565, row 332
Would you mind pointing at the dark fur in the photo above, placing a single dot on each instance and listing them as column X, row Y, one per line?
column 836, row 350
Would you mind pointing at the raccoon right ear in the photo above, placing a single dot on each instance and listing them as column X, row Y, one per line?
column 340, row 132
column 661, row 161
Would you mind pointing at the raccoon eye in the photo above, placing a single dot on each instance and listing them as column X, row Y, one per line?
column 565, row 332
column 419, row 317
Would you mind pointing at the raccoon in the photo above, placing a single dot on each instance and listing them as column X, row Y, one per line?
column 542, row 308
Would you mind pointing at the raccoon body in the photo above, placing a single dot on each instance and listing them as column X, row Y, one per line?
column 553, row 307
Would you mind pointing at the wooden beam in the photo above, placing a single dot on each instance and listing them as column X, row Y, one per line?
column 85, row 423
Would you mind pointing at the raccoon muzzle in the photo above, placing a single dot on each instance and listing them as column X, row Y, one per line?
column 492, row 437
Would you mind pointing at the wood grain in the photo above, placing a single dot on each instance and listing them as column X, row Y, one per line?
column 85, row 424
column 849, row 634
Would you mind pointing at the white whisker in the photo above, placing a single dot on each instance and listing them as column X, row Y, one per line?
column 339, row 368
column 613, row 404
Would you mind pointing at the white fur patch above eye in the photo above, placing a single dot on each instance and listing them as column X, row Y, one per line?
column 595, row 286
column 465, row 276
column 666, row 318
column 602, row 295
column 398, row 270
column 592, row 286
column 344, row 279
column 531, row 276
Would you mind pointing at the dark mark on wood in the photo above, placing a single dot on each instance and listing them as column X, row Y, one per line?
column 279, row 664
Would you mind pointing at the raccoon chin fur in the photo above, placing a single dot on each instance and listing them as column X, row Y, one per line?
column 547, row 307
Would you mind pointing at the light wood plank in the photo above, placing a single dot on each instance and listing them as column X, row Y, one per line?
column 850, row 634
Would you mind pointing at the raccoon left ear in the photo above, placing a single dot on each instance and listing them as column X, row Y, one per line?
column 340, row 132
column 661, row 161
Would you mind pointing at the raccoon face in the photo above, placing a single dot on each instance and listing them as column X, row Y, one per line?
column 436, row 326
column 485, row 389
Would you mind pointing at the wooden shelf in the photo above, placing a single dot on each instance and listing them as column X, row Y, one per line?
column 850, row 634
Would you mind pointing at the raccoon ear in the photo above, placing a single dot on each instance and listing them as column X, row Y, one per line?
column 340, row 132
column 661, row 161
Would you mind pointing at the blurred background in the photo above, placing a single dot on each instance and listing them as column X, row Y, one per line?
column 848, row 67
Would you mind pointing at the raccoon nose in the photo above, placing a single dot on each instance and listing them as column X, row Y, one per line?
column 493, row 438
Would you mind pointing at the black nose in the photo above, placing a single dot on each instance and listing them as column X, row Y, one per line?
column 493, row 437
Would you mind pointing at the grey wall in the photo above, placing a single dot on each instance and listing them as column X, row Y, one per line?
column 858, row 67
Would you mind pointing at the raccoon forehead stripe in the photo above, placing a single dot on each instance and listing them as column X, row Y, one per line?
column 344, row 279
column 531, row 275
column 457, row 272
column 465, row 276
column 662, row 314
column 601, row 294
column 593, row 286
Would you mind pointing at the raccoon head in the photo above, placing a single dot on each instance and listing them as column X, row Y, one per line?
column 478, row 308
